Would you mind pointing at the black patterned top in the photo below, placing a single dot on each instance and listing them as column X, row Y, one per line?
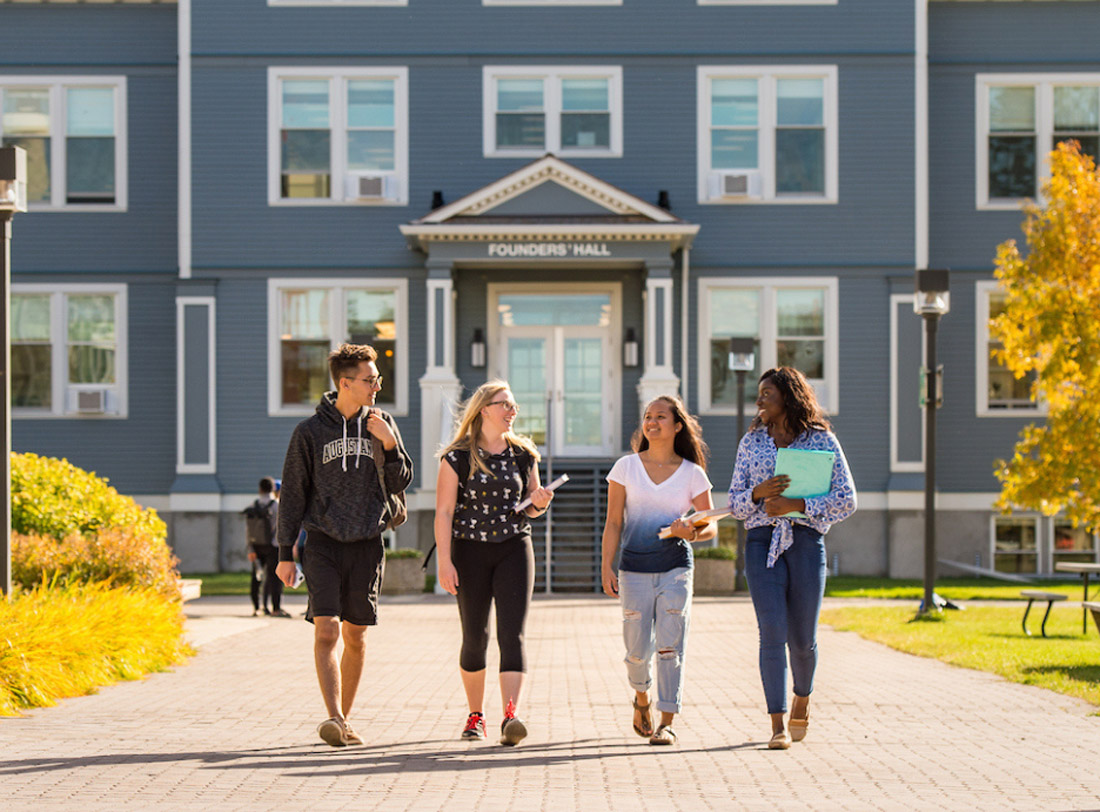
column 484, row 504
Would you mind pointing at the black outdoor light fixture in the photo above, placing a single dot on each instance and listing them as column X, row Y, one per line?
column 13, row 198
column 931, row 302
column 630, row 348
column 477, row 349
column 742, row 360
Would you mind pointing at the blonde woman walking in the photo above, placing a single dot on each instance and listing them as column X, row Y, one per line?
column 485, row 553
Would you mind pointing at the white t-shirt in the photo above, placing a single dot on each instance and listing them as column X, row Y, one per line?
column 651, row 506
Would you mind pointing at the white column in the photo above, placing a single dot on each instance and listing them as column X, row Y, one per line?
column 440, row 389
column 659, row 377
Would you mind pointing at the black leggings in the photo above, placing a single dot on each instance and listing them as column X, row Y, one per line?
column 504, row 572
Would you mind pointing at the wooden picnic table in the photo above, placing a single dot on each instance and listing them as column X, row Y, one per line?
column 1085, row 570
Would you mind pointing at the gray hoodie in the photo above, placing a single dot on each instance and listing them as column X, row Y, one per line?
column 330, row 480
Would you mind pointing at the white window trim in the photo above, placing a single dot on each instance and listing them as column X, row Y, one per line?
column 896, row 465
column 400, row 287
column 1042, row 530
column 768, row 286
column 1044, row 128
column 552, row 76
column 338, row 77
column 59, row 384
column 767, row 2
column 982, row 291
column 211, row 466
column 337, row 2
column 58, row 175
column 551, row 2
column 768, row 74
column 766, row 118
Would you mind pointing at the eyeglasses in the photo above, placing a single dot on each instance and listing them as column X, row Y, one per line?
column 509, row 405
column 373, row 380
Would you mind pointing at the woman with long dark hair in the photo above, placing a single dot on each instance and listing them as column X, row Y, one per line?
column 485, row 553
column 785, row 556
column 652, row 488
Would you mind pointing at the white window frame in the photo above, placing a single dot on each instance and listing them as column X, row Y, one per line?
column 767, row 2
column 551, row 2
column 768, row 74
column 1042, row 529
column 551, row 76
column 1044, row 540
column 59, row 362
column 337, row 2
column 1044, row 84
column 56, row 85
column 338, row 320
column 983, row 290
column 768, row 285
column 338, row 78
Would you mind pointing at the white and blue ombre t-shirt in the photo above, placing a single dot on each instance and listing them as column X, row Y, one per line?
column 651, row 506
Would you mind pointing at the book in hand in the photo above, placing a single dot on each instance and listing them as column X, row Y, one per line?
column 811, row 474
column 699, row 518
column 553, row 486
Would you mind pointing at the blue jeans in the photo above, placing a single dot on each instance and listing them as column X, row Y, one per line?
column 656, row 615
column 787, row 600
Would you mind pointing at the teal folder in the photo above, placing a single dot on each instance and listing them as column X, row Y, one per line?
column 811, row 474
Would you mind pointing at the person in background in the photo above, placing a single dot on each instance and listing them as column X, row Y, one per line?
column 652, row 488
column 261, row 519
column 485, row 553
column 785, row 557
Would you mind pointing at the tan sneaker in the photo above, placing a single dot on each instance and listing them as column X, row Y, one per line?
column 333, row 732
column 350, row 736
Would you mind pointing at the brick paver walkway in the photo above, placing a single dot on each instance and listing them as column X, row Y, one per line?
column 234, row 728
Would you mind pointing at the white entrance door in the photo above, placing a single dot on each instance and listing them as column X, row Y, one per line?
column 561, row 375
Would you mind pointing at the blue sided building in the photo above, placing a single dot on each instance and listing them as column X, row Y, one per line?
column 588, row 198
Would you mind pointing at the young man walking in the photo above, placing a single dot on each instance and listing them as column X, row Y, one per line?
column 344, row 472
column 261, row 518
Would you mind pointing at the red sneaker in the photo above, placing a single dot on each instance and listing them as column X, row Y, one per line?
column 475, row 726
column 512, row 729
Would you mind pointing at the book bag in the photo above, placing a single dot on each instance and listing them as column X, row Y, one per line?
column 258, row 524
column 397, row 508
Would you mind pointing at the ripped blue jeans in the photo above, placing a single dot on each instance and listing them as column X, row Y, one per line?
column 656, row 616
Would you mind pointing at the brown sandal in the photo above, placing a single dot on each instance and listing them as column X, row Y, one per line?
column 645, row 729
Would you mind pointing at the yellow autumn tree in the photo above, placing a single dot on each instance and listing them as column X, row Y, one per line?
column 1050, row 328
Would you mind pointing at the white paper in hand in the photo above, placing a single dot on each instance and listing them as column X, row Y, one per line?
column 553, row 486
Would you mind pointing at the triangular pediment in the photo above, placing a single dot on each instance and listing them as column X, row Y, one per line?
column 549, row 189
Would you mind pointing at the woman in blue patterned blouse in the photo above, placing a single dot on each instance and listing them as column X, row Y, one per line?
column 785, row 556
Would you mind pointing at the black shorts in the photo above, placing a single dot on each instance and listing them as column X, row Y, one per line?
column 343, row 579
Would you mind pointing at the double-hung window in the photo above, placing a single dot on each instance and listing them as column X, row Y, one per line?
column 308, row 318
column 338, row 136
column 68, row 350
column 794, row 323
column 1034, row 545
column 74, row 131
column 999, row 392
column 569, row 111
column 1021, row 118
column 767, row 134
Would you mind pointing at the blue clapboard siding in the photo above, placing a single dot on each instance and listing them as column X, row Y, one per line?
column 87, row 38
column 137, row 454
column 466, row 27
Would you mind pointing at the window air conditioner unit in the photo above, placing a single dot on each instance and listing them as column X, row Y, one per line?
column 735, row 184
column 371, row 187
column 93, row 402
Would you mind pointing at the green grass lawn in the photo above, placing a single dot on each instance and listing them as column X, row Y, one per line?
column 989, row 638
column 229, row 583
column 953, row 589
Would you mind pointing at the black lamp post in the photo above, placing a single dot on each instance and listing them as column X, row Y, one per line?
column 13, row 198
column 932, row 301
column 742, row 359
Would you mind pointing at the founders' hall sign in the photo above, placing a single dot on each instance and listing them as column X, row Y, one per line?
column 548, row 249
